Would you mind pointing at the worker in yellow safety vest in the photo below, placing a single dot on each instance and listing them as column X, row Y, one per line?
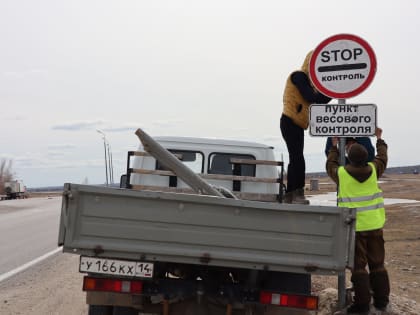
column 358, row 188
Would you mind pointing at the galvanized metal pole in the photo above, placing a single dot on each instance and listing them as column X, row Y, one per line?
column 165, row 157
column 342, row 143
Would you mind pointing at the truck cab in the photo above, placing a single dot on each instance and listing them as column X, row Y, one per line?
column 247, row 169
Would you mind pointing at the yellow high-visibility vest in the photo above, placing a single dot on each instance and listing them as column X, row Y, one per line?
column 365, row 197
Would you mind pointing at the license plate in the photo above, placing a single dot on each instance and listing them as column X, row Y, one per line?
column 116, row 267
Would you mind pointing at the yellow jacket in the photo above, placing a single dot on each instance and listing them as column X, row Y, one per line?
column 294, row 105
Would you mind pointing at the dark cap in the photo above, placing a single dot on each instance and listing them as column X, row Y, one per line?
column 357, row 155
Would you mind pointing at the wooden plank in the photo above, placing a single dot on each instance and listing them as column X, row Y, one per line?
column 240, row 195
column 152, row 172
column 241, row 178
column 255, row 162
column 163, row 188
column 142, row 153
column 257, row 196
column 210, row 176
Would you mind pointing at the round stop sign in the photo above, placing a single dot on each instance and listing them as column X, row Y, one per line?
column 342, row 66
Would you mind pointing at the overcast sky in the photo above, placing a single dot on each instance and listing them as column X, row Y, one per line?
column 187, row 68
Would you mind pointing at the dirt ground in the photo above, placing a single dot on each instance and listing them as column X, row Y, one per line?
column 54, row 286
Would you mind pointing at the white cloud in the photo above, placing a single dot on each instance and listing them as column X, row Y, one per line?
column 31, row 73
column 107, row 126
column 79, row 125
column 13, row 117
column 61, row 146
column 122, row 127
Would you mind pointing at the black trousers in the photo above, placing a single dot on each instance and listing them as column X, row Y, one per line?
column 293, row 135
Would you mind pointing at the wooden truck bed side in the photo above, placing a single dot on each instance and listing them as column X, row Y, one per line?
column 198, row 229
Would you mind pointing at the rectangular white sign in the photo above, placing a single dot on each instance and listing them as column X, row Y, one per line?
column 342, row 120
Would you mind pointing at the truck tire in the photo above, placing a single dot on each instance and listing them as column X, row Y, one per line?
column 100, row 310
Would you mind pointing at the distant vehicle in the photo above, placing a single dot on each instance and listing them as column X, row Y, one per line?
column 15, row 190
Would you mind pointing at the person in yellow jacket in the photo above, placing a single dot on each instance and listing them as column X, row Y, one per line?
column 299, row 94
column 358, row 188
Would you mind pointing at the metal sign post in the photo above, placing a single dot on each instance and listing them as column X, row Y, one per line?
column 341, row 281
column 342, row 141
column 341, row 67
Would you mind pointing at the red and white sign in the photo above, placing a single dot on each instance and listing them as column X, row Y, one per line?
column 342, row 66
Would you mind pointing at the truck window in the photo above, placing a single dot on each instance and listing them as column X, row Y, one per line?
column 219, row 163
column 194, row 160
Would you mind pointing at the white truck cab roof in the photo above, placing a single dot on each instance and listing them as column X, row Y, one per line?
column 211, row 141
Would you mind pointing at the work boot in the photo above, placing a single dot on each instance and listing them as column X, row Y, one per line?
column 384, row 310
column 288, row 197
column 299, row 197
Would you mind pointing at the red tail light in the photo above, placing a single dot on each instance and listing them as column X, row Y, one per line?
column 289, row 300
column 112, row 285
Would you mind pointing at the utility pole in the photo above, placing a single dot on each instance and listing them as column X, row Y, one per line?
column 110, row 166
column 106, row 160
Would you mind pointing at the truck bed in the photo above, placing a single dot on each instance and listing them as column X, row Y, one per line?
column 197, row 229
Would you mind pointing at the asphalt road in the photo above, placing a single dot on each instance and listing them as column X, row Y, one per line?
column 28, row 230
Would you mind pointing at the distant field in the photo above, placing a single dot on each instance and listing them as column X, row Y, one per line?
column 43, row 194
